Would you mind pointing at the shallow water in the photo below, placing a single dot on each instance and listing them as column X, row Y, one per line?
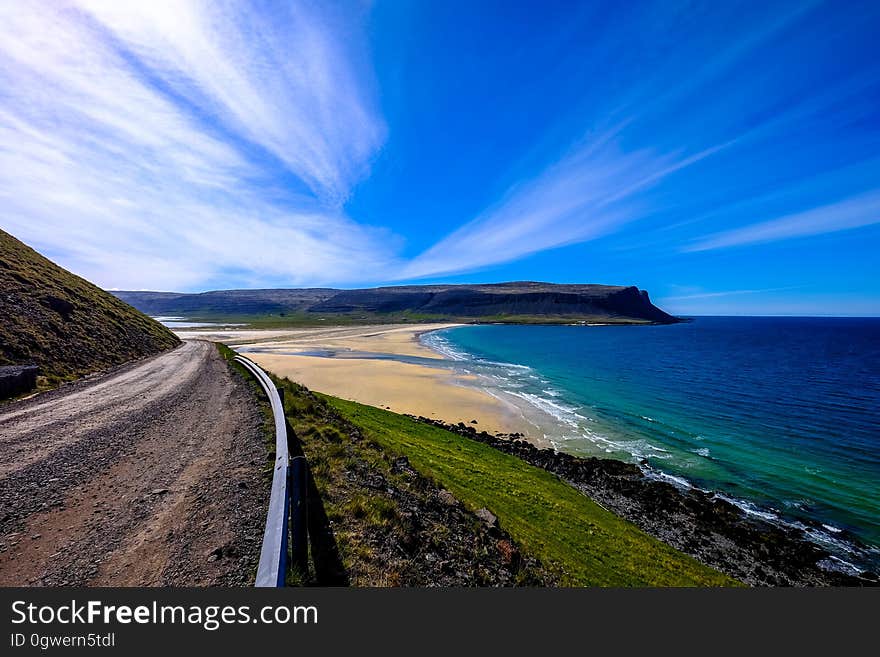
column 183, row 323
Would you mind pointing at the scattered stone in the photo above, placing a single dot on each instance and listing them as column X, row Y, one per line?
column 402, row 465
column 447, row 498
column 376, row 482
column 487, row 516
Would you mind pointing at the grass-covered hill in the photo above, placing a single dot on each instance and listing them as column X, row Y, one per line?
column 63, row 323
column 517, row 302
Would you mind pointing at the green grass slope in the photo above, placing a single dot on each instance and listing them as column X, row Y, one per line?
column 63, row 323
column 576, row 539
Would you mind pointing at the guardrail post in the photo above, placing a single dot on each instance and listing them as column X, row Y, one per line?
column 299, row 514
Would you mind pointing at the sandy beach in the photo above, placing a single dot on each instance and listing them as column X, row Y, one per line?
column 357, row 363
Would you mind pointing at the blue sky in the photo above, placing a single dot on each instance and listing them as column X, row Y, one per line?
column 723, row 156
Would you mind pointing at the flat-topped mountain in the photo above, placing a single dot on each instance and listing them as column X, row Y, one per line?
column 523, row 301
column 64, row 324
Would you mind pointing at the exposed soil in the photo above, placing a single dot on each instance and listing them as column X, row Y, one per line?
column 148, row 476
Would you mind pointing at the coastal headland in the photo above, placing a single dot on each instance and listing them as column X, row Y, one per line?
column 515, row 302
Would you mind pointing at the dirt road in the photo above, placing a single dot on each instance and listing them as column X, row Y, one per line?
column 147, row 476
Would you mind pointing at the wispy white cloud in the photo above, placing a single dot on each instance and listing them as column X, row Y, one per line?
column 765, row 302
column 587, row 194
column 725, row 293
column 280, row 80
column 855, row 212
column 172, row 143
column 103, row 162
column 595, row 190
column 669, row 120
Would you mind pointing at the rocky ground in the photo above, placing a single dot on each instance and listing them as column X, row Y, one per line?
column 150, row 475
column 712, row 530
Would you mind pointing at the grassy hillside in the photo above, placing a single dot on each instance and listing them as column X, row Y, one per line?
column 576, row 540
column 63, row 323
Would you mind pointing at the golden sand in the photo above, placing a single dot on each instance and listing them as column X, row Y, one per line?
column 400, row 387
column 396, row 339
column 434, row 392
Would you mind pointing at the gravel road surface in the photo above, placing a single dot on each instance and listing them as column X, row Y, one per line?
column 149, row 475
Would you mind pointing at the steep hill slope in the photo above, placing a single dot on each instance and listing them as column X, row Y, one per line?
column 511, row 302
column 63, row 323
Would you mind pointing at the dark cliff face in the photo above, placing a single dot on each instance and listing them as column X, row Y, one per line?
column 493, row 302
column 633, row 300
column 594, row 301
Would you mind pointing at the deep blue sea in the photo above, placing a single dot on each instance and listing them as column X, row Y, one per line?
column 779, row 415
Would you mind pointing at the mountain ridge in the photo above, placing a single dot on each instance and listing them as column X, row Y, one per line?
column 515, row 301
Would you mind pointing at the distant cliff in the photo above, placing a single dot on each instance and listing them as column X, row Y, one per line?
column 499, row 302
column 63, row 323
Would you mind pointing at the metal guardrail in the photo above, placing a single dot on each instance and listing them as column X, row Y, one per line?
column 287, row 487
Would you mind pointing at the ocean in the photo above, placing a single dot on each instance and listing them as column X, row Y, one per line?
column 780, row 416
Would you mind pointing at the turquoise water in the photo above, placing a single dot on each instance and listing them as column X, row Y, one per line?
column 779, row 415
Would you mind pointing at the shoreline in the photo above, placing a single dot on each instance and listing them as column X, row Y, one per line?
column 701, row 524
column 383, row 366
column 391, row 368
column 849, row 552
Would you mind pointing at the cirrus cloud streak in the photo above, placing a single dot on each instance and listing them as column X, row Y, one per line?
column 143, row 143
